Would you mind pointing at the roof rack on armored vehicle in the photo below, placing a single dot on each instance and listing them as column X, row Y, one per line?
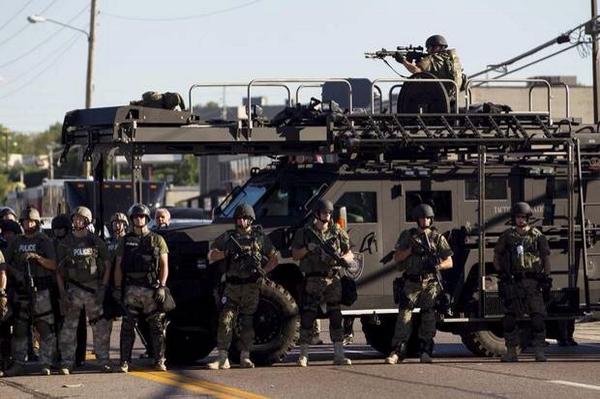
column 141, row 130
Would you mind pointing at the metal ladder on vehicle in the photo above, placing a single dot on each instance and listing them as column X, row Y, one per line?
column 583, row 223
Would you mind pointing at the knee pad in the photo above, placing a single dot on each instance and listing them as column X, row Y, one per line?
column 335, row 319
column 509, row 322
column 307, row 319
column 537, row 323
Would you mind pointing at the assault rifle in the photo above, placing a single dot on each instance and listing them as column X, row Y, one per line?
column 249, row 258
column 30, row 289
column 328, row 248
column 411, row 53
column 443, row 301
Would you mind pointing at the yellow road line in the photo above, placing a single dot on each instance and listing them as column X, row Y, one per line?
column 195, row 385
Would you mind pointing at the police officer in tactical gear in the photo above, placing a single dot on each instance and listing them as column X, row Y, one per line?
column 522, row 259
column 119, row 224
column 420, row 253
column 244, row 268
column 83, row 273
column 9, row 229
column 31, row 270
column 440, row 61
column 4, row 326
column 142, row 267
column 323, row 286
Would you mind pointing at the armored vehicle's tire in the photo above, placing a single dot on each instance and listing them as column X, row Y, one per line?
column 484, row 343
column 380, row 336
column 275, row 326
column 188, row 346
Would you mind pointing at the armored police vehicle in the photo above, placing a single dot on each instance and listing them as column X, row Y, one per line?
column 376, row 166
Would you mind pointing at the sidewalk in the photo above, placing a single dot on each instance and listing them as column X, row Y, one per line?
column 588, row 331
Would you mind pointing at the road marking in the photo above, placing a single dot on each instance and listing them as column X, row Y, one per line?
column 195, row 385
column 576, row 384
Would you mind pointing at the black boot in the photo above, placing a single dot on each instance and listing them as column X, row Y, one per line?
column 426, row 349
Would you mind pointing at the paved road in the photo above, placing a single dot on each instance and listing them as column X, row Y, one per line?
column 571, row 372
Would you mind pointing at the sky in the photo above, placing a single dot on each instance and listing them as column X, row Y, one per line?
column 162, row 45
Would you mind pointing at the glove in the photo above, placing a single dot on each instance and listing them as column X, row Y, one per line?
column 3, row 307
column 100, row 293
column 399, row 57
column 314, row 248
column 160, row 295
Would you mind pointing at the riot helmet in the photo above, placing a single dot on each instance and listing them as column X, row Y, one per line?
column 323, row 206
column 83, row 212
column 521, row 208
column 30, row 213
column 436, row 40
column 422, row 211
column 8, row 213
column 244, row 211
column 139, row 210
column 119, row 217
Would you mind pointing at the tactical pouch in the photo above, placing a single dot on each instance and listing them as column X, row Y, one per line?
column 398, row 287
column 349, row 292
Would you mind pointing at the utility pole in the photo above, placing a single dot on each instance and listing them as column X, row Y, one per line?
column 595, row 69
column 87, row 165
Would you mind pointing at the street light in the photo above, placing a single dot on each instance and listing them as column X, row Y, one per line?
column 34, row 19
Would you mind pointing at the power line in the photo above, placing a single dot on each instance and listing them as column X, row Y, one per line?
column 29, row 71
column 40, row 73
column 188, row 17
column 50, row 37
column 12, row 18
column 17, row 33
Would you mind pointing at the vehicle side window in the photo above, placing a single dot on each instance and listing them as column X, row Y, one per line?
column 361, row 206
column 495, row 189
column 440, row 201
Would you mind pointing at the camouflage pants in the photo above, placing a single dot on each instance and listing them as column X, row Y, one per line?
column 416, row 295
column 237, row 299
column 139, row 302
column 319, row 290
column 43, row 320
column 531, row 303
column 100, row 326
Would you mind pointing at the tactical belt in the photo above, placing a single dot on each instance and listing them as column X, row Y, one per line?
column 241, row 280
column 81, row 286
column 418, row 278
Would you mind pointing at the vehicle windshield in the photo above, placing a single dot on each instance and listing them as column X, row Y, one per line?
column 271, row 198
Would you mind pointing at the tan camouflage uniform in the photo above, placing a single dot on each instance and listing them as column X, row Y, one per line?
column 43, row 318
column 242, row 286
column 81, row 263
column 444, row 65
column 140, row 258
column 322, row 281
column 421, row 288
